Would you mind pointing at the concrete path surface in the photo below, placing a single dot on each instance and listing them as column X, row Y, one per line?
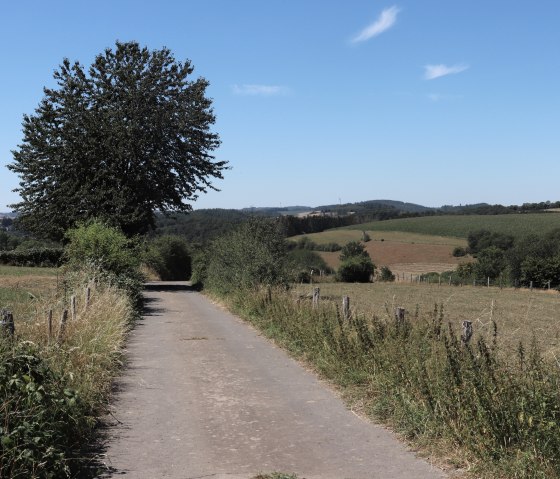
column 204, row 396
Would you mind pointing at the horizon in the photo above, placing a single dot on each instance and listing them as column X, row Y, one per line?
column 320, row 103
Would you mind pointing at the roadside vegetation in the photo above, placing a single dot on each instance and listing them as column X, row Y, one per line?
column 55, row 381
column 491, row 404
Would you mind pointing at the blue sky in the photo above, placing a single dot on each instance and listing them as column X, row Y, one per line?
column 433, row 102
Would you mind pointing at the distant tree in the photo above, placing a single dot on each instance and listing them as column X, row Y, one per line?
column 117, row 141
column 353, row 249
column 490, row 262
column 482, row 239
column 356, row 269
column 355, row 264
column 7, row 222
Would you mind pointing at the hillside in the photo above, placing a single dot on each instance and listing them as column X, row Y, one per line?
column 459, row 226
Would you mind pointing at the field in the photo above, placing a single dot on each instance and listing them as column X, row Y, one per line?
column 516, row 225
column 19, row 286
column 518, row 313
column 404, row 253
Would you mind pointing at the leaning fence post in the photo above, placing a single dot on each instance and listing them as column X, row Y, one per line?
column 49, row 322
column 399, row 315
column 62, row 329
column 73, row 307
column 7, row 323
column 467, row 332
column 316, row 292
column 346, row 307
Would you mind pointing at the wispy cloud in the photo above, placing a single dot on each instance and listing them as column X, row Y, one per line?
column 435, row 71
column 260, row 90
column 386, row 20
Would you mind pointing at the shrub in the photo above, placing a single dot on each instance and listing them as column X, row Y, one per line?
column 32, row 257
column 352, row 249
column 105, row 251
column 356, row 269
column 252, row 255
column 458, row 252
column 170, row 258
column 385, row 274
column 41, row 417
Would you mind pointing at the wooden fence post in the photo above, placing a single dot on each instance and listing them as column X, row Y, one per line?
column 400, row 315
column 316, row 293
column 467, row 332
column 346, row 307
column 88, row 296
column 531, row 286
column 49, row 322
column 488, row 281
column 73, row 307
column 7, row 323
column 62, row 329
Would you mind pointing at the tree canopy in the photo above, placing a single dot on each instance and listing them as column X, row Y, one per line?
column 127, row 137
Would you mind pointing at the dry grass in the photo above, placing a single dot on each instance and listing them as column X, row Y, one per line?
column 91, row 344
column 519, row 314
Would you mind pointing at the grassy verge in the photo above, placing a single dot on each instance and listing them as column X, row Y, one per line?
column 53, row 384
column 498, row 413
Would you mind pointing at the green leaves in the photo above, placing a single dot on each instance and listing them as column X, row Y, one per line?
column 126, row 137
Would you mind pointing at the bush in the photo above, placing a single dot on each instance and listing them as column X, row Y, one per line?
column 252, row 255
column 459, row 252
column 41, row 417
column 352, row 249
column 356, row 269
column 385, row 274
column 32, row 257
column 107, row 252
column 170, row 258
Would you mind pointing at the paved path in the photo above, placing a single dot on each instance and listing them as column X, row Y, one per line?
column 204, row 396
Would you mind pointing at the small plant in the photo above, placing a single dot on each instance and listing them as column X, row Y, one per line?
column 459, row 252
column 385, row 274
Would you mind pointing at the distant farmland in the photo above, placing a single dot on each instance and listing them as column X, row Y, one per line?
column 460, row 226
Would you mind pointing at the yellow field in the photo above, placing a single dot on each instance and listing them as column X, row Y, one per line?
column 518, row 313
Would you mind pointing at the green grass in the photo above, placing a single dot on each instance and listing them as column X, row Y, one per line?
column 517, row 225
column 26, row 271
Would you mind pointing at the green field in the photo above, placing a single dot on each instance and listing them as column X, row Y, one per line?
column 460, row 226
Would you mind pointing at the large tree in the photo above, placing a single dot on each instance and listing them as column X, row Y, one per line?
column 127, row 137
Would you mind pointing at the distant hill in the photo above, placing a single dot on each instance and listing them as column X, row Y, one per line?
column 376, row 204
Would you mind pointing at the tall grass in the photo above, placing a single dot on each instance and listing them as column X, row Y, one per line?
column 499, row 413
column 55, row 385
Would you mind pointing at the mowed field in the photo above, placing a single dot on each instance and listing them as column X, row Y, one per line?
column 404, row 253
column 519, row 314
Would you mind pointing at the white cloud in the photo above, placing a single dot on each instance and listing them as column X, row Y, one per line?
column 386, row 20
column 436, row 71
column 260, row 90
